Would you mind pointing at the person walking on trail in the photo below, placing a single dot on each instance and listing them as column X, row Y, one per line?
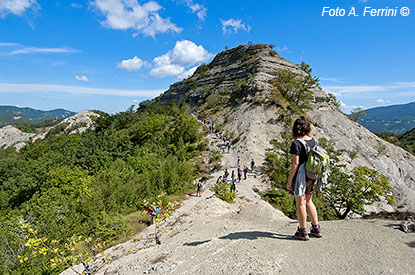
column 245, row 171
column 233, row 185
column 233, row 174
column 303, row 191
column 239, row 161
column 225, row 175
column 198, row 188
column 228, row 145
column 239, row 174
column 252, row 164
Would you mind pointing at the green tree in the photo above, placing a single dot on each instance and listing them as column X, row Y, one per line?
column 278, row 161
column 297, row 88
column 350, row 193
column 357, row 114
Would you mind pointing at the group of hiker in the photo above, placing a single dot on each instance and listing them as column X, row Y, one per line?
column 211, row 125
column 233, row 178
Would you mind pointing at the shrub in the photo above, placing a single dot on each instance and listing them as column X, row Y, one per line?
column 223, row 191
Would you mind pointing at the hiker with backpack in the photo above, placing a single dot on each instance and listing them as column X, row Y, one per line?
column 252, row 164
column 233, row 185
column 198, row 187
column 309, row 165
column 245, row 171
column 239, row 174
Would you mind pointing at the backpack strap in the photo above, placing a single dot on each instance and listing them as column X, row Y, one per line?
column 306, row 146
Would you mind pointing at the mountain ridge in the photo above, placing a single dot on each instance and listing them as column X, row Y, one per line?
column 397, row 119
column 10, row 115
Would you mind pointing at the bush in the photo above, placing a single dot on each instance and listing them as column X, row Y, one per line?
column 282, row 200
column 223, row 191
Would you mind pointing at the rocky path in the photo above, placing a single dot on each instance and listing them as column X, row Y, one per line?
column 209, row 236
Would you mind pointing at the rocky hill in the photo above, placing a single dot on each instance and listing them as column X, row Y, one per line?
column 11, row 136
column 255, row 119
column 10, row 115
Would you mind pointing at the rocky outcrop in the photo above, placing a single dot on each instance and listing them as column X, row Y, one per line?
column 257, row 124
column 11, row 136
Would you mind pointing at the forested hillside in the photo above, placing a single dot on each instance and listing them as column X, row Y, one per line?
column 396, row 118
column 405, row 140
column 10, row 115
column 94, row 184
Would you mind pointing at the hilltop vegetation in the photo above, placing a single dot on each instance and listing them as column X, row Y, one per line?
column 94, row 184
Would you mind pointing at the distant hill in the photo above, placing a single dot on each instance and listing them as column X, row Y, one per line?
column 405, row 140
column 10, row 115
column 396, row 119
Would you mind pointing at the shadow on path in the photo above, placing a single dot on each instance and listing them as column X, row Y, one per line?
column 411, row 244
column 196, row 243
column 253, row 235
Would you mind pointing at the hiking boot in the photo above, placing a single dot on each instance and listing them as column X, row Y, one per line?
column 315, row 231
column 301, row 234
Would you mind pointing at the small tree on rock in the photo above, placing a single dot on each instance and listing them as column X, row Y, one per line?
column 357, row 114
column 297, row 88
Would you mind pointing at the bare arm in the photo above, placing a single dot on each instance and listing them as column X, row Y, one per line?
column 294, row 166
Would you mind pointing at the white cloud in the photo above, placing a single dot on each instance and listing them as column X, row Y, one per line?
column 135, row 101
column 348, row 108
column 233, row 25
column 381, row 100
column 131, row 65
column 187, row 73
column 81, row 78
column 3, row 44
column 76, row 5
column 129, row 14
column 36, row 88
column 16, row 7
column 29, row 50
column 200, row 10
column 174, row 63
column 283, row 49
column 331, row 79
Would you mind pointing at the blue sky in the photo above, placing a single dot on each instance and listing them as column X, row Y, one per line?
column 110, row 54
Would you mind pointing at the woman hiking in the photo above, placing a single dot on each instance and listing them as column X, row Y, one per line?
column 303, row 191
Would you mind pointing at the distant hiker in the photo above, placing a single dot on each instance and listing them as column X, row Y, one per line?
column 298, row 182
column 228, row 145
column 239, row 161
column 252, row 164
column 198, row 187
column 219, row 180
column 210, row 127
column 225, row 174
column 245, row 171
column 233, row 185
column 154, row 211
column 233, row 174
column 239, row 174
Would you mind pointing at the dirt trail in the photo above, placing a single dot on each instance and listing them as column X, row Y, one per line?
column 209, row 236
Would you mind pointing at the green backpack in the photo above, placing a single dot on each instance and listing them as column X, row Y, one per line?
column 318, row 161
